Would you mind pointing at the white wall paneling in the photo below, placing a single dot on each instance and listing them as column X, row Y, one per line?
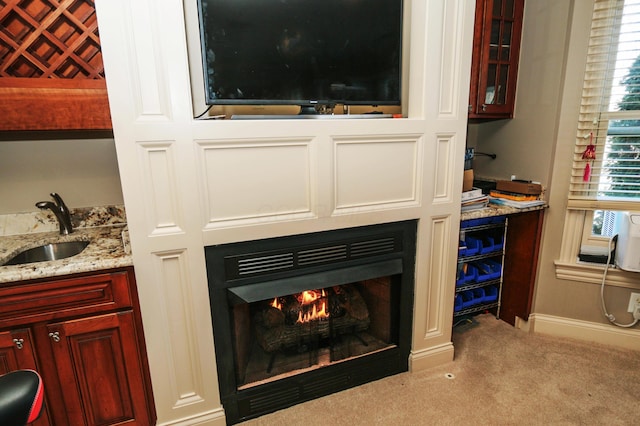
column 439, row 272
column 376, row 173
column 257, row 180
column 161, row 198
column 189, row 183
column 445, row 163
column 186, row 377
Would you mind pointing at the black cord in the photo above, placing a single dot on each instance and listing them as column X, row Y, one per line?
column 493, row 156
column 205, row 111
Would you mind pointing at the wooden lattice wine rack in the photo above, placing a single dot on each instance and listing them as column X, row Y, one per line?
column 50, row 39
column 51, row 69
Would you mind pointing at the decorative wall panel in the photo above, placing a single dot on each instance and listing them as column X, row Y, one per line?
column 151, row 100
column 450, row 69
column 439, row 267
column 374, row 174
column 186, row 376
column 257, row 181
column 160, row 187
column 444, row 165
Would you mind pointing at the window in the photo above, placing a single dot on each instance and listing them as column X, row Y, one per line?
column 606, row 168
column 607, row 154
column 605, row 176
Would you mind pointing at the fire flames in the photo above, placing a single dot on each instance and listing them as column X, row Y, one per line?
column 313, row 304
column 276, row 304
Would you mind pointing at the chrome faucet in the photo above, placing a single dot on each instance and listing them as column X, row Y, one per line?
column 59, row 208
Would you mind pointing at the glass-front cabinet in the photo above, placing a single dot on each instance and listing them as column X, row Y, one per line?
column 496, row 50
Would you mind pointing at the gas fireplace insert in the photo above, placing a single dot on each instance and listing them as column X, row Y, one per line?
column 299, row 317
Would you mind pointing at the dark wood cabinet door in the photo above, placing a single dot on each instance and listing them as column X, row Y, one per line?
column 522, row 247
column 100, row 370
column 16, row 353
column 496, row 52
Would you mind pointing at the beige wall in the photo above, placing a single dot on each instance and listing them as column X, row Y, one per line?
column 538, row 144
column 525, row 144
column 83, row 171
column 575, row 299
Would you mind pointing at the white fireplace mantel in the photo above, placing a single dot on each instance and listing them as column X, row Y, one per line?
column 188, row 184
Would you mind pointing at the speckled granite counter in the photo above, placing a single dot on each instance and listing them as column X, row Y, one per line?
column 495, row 210
column 103, row 228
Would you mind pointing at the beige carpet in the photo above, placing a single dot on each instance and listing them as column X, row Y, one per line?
column 502, row 376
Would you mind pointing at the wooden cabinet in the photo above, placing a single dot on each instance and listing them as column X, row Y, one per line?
column 494, row 64
column 522, row 248
column 16, row 353
column 51, row 71
column 83, row 333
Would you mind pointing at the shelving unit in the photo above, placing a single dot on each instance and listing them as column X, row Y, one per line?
column 480, row 265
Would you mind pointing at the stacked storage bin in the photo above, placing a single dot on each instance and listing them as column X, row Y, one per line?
column 480, row 259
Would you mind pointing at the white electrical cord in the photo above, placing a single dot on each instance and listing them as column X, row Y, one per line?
column 609, row 316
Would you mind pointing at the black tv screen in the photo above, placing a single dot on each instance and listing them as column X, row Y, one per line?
column 301, row 52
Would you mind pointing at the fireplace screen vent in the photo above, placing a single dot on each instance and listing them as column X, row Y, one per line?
column 321, row 255
column 262, row 264
column 372, row 248
column 269, row 261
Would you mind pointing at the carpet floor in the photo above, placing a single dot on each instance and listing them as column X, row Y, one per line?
column 500, row 376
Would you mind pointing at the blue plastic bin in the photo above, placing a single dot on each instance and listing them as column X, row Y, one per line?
column 467, row 299
column 457, row 303
column 466, row 275
column 478, row 295
column 488, row 270
column 490, row 294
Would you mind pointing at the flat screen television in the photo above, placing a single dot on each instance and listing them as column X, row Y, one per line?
column 301, row 52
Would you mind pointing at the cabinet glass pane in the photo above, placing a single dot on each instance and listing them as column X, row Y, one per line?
column 495, row 40
column 491, row 82
column 509, row 9
column 501, row 93
column 505, row 51
column 497, row 7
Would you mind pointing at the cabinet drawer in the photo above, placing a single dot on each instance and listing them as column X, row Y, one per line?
column 23, row 303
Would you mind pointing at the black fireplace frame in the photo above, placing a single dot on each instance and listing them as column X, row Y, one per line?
column 285, row 264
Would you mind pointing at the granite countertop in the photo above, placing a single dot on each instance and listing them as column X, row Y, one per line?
column 495, row 210
column 105, row 251
column 104, row 227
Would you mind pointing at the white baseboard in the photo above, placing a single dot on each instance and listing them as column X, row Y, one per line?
column 212, row 418
column 431, row 357
column 628, row 338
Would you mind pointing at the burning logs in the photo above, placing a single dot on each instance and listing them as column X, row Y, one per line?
column 296, row 320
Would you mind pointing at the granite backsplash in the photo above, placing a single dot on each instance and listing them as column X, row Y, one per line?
column 45, row 221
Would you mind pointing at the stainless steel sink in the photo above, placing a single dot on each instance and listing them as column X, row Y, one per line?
column 54, row 251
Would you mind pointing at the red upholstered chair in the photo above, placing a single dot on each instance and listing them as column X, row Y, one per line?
column 21, row 397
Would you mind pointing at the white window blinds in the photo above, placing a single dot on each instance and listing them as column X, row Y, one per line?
column 606, row 167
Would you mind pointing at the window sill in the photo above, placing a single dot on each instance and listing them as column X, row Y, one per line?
column 592, row 273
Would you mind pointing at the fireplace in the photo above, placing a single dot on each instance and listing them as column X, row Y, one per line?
column 299, row 317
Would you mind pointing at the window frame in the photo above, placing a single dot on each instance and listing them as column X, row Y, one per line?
column 578, row 223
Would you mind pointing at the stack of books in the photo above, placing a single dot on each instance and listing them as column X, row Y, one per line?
column 474, row 200
column 518, row 194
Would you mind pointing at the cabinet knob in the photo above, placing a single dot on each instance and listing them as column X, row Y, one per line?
column 484, row 107
column 55, row 336
column 19, row 343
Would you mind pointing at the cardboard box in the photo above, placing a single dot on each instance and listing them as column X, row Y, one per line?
column 467, row 180
column 519, row 187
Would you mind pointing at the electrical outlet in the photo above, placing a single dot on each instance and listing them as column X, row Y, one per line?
column 634, row 301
